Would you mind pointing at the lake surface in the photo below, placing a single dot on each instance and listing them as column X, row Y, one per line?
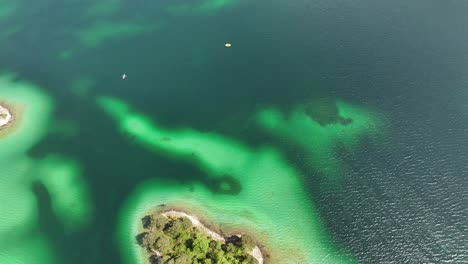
column 334, row 131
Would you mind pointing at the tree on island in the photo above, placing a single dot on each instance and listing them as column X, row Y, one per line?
column 174, row 240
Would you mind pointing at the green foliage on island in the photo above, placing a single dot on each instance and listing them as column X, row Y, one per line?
column 171, row 240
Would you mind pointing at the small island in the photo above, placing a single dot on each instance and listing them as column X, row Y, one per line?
column 5, row 116
column 9, row 117
column 175, row 237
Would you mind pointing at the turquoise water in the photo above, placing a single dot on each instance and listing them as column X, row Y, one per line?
column 270, row 201
column 331, row 131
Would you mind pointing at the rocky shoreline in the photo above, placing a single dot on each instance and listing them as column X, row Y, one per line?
column 256, row 252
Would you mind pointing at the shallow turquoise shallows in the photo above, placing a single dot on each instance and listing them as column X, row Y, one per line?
column 271, row 203
column 18, row 211
column 58, row 174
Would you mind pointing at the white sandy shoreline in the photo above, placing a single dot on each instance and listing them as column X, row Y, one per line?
column 5, row 116
column 195, row 222
column 256, row 252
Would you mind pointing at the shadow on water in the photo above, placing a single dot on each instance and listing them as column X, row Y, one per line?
column 69, row 247
column 95, row 242
column 223, row 185
column 48, row 222
column 324, row 111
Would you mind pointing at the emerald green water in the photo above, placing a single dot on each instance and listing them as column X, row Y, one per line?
column 249, row 188
column 245, row 187
column 19, row 213
column 271, row 201
column 331, row 131
column 318, row 141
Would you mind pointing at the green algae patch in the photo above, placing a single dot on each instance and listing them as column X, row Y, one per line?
column 18, row 210
column 320, row 137
column 271, row 202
